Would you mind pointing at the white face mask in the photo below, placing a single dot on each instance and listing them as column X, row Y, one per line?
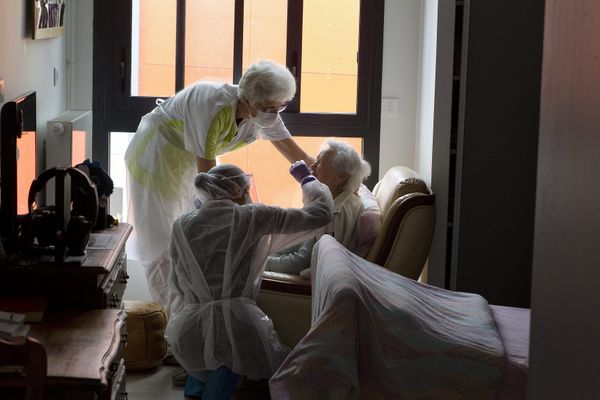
column 264, row 120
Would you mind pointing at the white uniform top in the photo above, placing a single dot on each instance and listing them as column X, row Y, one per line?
column 207, row 110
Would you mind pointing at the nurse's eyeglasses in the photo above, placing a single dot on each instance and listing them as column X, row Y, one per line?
column 272, row 109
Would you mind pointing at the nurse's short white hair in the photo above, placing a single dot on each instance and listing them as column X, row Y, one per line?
column 345, row 159
column 267, row 81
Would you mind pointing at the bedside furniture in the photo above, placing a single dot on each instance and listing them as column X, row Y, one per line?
column 99, row 282
column 83, row 327
column 84, row 355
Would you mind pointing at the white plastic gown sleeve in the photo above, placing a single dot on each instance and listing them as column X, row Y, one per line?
column 218, row 254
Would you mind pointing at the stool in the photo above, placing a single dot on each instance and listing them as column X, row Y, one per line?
column 146, row 344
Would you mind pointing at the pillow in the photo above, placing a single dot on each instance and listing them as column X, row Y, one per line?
column 146, row 344
column 369, row 222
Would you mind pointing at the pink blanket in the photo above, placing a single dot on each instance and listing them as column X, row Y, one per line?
column 378, row 335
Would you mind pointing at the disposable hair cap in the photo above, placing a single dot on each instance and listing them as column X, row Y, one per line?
column 224, row 181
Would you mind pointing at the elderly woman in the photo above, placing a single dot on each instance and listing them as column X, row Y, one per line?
column 339, row 167
column 215, row 330
column 183, row 136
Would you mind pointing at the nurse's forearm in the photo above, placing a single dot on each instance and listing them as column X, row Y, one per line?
column 204, row 165
column 292, row 152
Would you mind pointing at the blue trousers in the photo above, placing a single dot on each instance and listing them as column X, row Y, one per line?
column 220, row 385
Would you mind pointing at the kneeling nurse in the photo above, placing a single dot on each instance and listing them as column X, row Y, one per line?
column 218, row 251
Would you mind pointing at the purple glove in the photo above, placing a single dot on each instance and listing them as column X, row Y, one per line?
column 299, row 170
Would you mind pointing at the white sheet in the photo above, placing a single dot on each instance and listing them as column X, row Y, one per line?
column 378, row 335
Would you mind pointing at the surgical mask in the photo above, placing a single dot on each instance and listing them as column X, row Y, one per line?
column 264, row 119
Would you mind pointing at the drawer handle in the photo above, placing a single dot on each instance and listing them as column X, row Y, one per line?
column 115, row 300
column 114, row 368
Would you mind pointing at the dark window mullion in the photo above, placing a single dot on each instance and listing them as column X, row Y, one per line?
column 180, row 46
column 366, row 26
column 238, row 40
column 294, row 49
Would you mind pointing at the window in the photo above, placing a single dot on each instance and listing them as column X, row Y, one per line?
column 144, row 49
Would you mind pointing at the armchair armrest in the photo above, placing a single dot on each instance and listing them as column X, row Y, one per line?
column 285, row 283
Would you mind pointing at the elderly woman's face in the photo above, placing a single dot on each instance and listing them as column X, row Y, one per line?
column 325, row 172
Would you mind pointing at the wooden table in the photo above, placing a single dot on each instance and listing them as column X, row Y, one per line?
column 84, row 351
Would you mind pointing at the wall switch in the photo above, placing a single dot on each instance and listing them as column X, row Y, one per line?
column 55, row 75
column 390, row 106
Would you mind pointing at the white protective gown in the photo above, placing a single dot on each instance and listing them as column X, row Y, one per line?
column 198, row 121
column 218, row 254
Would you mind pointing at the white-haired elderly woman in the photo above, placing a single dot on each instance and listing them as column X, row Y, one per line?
column 183, row 136
column 342, row 169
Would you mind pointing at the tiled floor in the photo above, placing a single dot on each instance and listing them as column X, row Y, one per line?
column 154, row 384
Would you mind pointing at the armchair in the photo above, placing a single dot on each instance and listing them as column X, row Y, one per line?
column 402, row 245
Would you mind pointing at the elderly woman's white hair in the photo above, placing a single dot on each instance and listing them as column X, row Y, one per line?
column 267, row 81
column 345, row 159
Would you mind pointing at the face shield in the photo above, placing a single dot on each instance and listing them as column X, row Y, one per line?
column 223, row 182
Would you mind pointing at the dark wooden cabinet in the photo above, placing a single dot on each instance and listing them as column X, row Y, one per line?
column 99, row 282
column 83, row 329
column 85, row 354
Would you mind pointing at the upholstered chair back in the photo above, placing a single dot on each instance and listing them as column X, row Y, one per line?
column 408, row 217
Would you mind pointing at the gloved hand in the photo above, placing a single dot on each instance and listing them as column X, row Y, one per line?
column 300, row 171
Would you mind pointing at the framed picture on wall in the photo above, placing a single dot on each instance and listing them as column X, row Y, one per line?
column 48, row 18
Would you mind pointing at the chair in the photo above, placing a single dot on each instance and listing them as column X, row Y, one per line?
column 402, row 244
column 408, row 217
column 23, row 364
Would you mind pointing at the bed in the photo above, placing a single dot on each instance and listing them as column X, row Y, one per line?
column 378, row 335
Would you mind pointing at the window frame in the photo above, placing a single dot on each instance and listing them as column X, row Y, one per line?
column 115, row 110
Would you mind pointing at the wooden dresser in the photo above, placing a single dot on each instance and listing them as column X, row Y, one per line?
column 83, row 329
column 99, row 282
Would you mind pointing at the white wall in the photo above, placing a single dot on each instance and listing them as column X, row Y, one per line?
column 27, row 64
column 400, row 80
column 426, row 90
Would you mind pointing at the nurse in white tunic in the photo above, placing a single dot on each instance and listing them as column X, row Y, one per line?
column 183, row 136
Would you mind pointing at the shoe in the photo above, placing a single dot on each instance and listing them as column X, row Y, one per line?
column 179, row 378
